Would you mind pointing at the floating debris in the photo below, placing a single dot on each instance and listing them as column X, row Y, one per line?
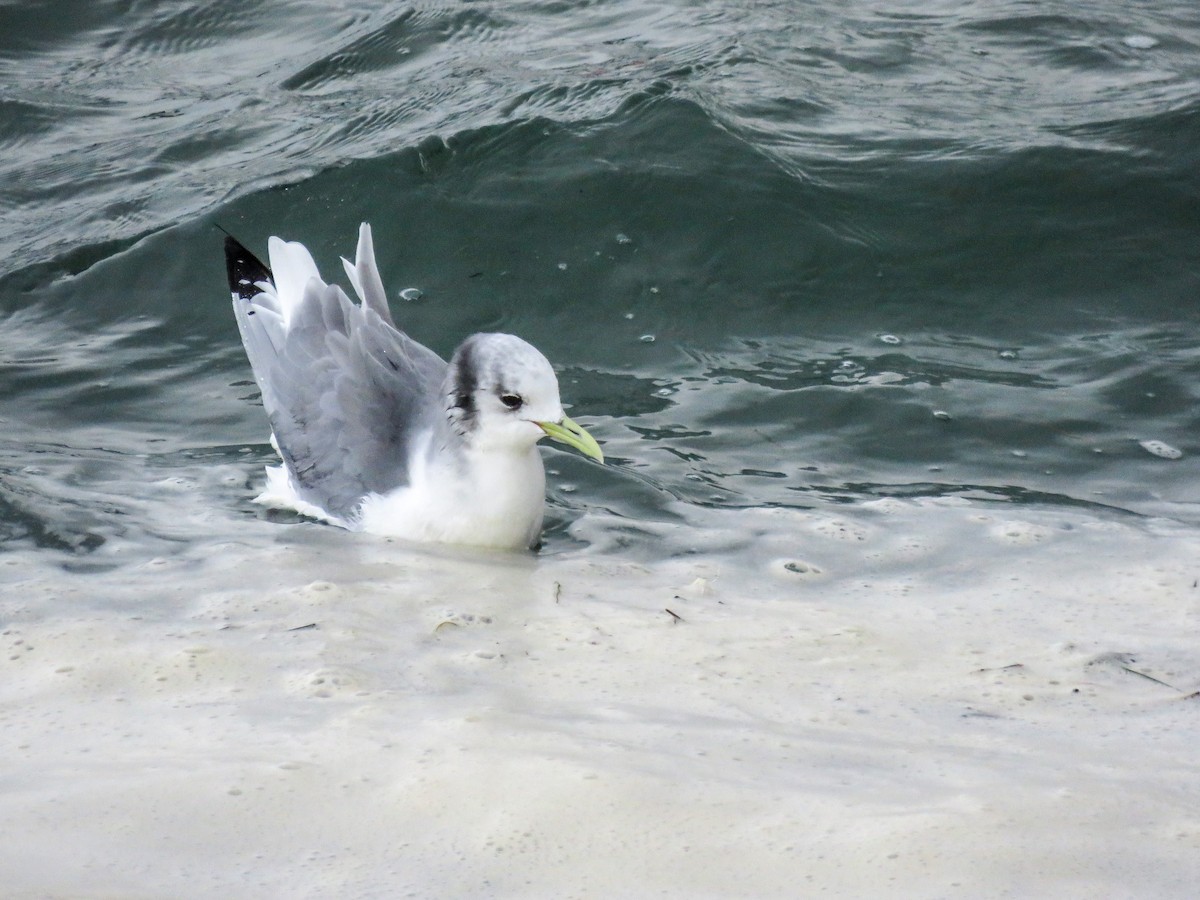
column 1160, row 449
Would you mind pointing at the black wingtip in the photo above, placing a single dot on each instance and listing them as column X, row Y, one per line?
column 244, row 269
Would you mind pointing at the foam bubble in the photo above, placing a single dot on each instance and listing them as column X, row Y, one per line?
column 1140, row 41
column 794, row 568
column 1161, row 449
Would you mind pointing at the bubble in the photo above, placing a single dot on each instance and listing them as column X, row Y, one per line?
column 790, row 568
column 1140, row 41
column 890, row 339
column 562, row 267
column 647, row 339
column 624, row 239
column 1018, row 532
column 1158, row 448
column 411, row 294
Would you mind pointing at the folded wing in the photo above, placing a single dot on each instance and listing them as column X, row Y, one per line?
column 348, row 395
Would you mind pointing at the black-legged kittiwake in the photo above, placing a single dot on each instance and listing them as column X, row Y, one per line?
column 376, row 432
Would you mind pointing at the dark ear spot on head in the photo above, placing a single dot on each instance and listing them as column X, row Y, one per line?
column 463, row 380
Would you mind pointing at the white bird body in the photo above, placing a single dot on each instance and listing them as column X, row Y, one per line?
column 375, row 431
column 496, row 501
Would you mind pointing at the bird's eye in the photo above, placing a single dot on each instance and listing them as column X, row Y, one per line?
column 512, row 401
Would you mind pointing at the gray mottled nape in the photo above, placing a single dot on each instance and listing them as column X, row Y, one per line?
column 347, row 394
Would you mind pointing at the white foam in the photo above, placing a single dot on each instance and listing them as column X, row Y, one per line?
column 1140, row 41
column 911, row 698
column 1161, row 449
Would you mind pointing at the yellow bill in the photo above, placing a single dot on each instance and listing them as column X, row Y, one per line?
column 573, row 434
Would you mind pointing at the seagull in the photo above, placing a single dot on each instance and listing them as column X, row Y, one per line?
column 376, row 432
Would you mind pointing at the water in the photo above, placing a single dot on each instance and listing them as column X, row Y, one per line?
column 886, row 316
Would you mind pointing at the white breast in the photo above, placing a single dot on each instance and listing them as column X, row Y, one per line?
column 494, row 500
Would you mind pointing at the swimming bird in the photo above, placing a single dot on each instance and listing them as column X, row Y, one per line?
column 375, row 431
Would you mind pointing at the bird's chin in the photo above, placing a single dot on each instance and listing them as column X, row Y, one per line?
column 513, row 438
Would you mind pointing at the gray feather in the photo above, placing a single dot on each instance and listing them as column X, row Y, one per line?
column 347, row 394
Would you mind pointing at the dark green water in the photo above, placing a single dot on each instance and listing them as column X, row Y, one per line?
column 781, row 253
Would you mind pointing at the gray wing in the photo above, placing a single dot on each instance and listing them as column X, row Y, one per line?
column 347, row 394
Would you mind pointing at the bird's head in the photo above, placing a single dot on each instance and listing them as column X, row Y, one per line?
column 501, row 393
